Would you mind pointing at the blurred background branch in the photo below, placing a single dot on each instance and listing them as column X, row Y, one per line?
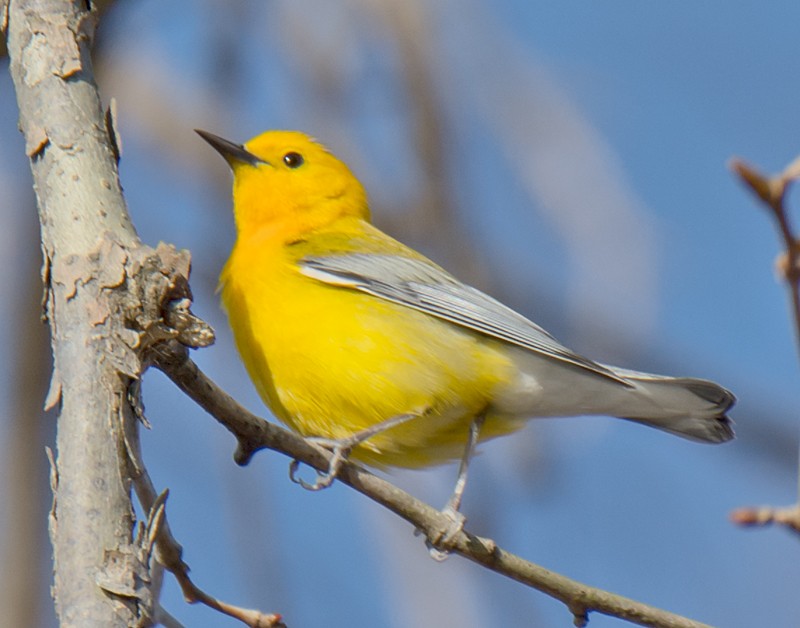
column 773, row 191
column 24, row 578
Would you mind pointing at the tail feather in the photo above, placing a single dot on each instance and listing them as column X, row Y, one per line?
column 691, row 408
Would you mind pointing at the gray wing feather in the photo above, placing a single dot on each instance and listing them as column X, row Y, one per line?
column 427, row 288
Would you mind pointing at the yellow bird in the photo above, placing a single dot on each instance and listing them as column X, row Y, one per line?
column 358, row 340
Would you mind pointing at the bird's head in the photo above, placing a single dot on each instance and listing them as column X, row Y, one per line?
column 287, row 180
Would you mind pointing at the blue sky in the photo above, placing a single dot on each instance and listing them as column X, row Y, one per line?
column 584, row 149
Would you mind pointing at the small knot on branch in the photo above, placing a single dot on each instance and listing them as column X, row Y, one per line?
column 191, row 331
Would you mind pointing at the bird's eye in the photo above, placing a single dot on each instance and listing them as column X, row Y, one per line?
column 293, row 160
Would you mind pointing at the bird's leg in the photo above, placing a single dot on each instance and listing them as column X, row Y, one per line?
column 341, row 448
column 451, row 509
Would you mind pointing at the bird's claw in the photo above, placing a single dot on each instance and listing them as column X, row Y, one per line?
column 441, row 540
column 323, row 480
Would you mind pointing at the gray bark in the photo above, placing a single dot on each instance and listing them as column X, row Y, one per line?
column 104, row 292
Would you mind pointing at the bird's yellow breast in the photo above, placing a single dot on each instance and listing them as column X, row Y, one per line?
column 330, row 361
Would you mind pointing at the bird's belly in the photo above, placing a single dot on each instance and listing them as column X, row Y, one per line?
column 331, row 361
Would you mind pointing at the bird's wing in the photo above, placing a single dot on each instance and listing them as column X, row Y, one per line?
column 423, row 286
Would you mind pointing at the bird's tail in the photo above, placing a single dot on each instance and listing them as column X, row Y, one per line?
column 687, row 407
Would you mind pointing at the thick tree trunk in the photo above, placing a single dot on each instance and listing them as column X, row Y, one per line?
column 97, row 277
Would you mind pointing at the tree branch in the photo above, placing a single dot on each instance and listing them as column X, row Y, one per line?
column 79, row 201
column 772, row 192
column 169, row 552
column 105, row 292
column 254, row 433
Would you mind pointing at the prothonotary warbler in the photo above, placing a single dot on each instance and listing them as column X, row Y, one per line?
column 358, row 340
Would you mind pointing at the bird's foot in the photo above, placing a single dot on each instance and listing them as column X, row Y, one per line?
column 340, row 448
column 440, row 540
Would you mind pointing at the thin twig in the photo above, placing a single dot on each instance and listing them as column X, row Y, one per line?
column 254, row 433
column 170, row 552
column 772, row 191
column 767, row 515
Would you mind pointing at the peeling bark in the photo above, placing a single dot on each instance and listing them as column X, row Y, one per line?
column 104, row 298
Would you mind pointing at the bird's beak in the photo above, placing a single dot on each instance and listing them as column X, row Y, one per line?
column 232, row 153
